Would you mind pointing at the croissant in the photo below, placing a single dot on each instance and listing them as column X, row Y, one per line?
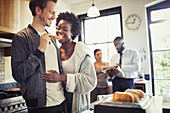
column 123, row 96
column 130, row 95
column 138, row 92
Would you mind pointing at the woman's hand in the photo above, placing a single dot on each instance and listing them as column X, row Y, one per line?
column 53, row 76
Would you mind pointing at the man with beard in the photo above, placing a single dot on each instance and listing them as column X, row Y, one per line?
column 129, row 61
column 34, row 52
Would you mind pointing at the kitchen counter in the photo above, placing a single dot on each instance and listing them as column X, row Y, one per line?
column 156, row 107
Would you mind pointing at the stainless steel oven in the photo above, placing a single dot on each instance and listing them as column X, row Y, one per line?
column 11, row 101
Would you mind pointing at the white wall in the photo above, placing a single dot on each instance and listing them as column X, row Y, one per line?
column 62, row 6
column 133, row 39
column 8, row 72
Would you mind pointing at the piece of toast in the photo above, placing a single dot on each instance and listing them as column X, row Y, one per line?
column 56, row 37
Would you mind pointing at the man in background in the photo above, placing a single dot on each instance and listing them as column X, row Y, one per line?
column 129, row 61
column 34, row 52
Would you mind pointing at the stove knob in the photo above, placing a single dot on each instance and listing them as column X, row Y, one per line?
column 24, row 104
column 21, row 105
column 16, row 106
column 11, row 108
column 6, row 109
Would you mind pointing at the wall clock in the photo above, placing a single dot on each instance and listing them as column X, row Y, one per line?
column 133, row 22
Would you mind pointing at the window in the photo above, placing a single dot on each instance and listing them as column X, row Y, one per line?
column 159, row 37
column 100, row 32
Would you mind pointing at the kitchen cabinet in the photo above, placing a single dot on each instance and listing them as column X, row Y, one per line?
column 6, row 40
column 15, row 15
column 9, row 15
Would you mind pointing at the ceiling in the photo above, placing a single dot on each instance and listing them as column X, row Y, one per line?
column 74, row 2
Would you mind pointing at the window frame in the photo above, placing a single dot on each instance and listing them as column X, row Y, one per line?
column 159, row 6
column 106, row 12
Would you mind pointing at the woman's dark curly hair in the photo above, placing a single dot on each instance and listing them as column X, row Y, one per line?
column 70, row 17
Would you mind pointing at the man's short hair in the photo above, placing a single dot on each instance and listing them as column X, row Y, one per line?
column 118, row 39
column 41, row 3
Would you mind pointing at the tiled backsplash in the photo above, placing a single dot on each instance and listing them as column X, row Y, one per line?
column 2, row 65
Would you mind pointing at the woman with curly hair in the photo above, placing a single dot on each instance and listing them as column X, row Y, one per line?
column 79, row 74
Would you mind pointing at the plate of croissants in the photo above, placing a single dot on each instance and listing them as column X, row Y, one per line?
column 129, row 98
